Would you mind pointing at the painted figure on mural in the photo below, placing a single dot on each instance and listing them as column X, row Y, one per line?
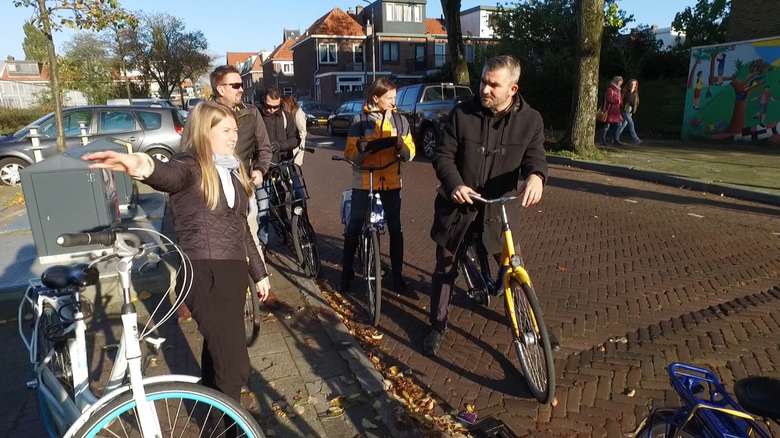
column 721, row 66
column 697, row 91
column 763, row 105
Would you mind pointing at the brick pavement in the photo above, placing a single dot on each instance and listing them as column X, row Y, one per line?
column 681, row 275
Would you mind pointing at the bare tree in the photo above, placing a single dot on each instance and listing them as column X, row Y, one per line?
column 460, row 69
column 51, row 15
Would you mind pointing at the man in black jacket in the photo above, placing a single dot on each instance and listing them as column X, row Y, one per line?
column 284, row 138
column 491, row 145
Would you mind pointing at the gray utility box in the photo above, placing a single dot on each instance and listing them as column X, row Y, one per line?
column 63, row 195
column 125, row 189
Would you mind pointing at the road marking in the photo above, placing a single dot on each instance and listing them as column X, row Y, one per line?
column 695, row 215
column 631, row 201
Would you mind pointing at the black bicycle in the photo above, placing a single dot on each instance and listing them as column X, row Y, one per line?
column 287, row 195
column 368, row 249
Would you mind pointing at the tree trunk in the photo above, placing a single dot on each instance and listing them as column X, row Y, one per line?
column 54, row 80
column 460, row 69
column 590, row 23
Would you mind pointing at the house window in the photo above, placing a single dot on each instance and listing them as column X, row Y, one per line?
column 390, row 52
column 419, row 53
column 440, row 54
column 357, row 53
column 287, row 69
column 403, row 12
column 347, row 84
column 328, row 53
column 287, row 91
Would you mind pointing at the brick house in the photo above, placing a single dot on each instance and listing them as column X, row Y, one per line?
column 328, row 58
column 752, row 19
column 278, row 68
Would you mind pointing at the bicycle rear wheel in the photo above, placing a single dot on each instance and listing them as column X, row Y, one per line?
column 183, row 410
column 531, row 342
column 251, row 314
column 305, row 243
column 373, row 275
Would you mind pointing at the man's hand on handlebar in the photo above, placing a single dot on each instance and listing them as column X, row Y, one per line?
column 462, row 194
column 257, row 178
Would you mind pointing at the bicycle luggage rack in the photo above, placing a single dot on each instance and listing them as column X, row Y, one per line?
column 709, row 405
column 273, row 196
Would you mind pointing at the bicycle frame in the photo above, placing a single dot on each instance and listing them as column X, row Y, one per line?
column 73, row 413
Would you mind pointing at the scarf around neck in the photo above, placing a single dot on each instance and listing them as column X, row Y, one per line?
column 227, row 165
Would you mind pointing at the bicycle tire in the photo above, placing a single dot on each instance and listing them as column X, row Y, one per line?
column 373, row 276
column 251, row 314
column 533, row 345
column 305, row 244
column 50, row 337
column 110, row 416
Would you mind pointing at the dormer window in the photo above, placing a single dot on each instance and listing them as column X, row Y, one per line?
column 403, row 12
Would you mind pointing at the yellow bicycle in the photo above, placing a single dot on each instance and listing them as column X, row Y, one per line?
column 530, row 339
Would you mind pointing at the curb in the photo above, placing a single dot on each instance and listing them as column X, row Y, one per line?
column 369, row 379
column 670, row 180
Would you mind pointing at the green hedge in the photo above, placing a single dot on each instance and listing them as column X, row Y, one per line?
column 13, row 119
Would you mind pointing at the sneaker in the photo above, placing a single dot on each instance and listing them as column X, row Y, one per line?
column 432, row 342
column 346, row 281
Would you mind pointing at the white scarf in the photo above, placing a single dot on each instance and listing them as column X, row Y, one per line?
column 226, row 166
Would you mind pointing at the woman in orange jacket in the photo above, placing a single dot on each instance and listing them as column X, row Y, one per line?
column 378, row 120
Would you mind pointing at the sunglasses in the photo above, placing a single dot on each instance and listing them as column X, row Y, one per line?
column 271, row 107
column 235, row 85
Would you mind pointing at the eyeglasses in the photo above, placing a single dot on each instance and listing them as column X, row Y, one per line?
column 235, row 85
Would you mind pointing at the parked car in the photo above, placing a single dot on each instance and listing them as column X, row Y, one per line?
column 143, row 101
column 189, row 104
column 316, row 114
column 427, row 107
column 341, row 119
column 154, row 130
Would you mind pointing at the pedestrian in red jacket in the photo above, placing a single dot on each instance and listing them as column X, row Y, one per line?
column 613, row 104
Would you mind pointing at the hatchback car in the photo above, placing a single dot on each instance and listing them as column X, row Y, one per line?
column 340, row 121
column 154, row 130
column 316, row 114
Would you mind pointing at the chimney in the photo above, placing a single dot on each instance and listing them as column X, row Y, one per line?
column 358, row 9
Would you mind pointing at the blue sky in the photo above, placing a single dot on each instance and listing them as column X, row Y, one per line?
column 251, row 25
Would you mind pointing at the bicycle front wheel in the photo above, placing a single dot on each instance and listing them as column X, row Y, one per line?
column 373, row 273
column 183, row 410
column 251, row 314
column 531, row 340
column 305, row 244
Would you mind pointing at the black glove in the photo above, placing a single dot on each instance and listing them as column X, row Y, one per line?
column 402, row 150
column 274, row 147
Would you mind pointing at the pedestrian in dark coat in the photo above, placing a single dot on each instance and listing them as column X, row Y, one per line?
column 492, row 145
column 613, row 105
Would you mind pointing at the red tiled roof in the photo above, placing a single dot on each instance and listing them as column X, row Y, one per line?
column 234, row 57
column 283, row 52
column 435, row 26
column 336, row 22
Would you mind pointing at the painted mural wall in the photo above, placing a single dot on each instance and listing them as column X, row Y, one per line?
column 733, row 92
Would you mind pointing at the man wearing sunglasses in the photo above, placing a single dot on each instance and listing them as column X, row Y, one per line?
column 253, row 146
column 284, row 138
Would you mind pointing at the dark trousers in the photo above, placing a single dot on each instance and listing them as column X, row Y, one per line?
column 391, row 201
column 217, row 304
column 609, row 130
column 443, row 282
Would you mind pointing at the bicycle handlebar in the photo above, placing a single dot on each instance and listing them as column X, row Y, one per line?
column 308, row 149
column 105, row 238
column 501, row 200
column 366, row 168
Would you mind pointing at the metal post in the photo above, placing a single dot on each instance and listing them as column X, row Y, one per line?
column 84, row 138
column 36, row 144
column 373, row 41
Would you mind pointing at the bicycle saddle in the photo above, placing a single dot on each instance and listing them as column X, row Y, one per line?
column 60, row 277
column 759, row 396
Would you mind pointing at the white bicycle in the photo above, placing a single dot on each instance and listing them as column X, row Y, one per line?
column 131, row 405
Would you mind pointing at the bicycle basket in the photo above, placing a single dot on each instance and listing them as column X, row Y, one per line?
column 284, row 186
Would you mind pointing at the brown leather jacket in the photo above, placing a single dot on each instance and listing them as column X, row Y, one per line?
column 203, row 234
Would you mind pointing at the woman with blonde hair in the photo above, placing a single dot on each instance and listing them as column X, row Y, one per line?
column 209, row 194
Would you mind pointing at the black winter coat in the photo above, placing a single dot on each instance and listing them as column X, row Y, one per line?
column 203, row 234
column 492, row 155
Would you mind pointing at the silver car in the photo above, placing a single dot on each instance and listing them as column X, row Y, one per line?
column 155, row 130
